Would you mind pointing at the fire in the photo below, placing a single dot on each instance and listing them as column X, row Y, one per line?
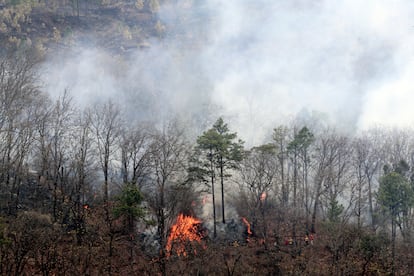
column 249, row 231
column 184, row 231
column 263, row 196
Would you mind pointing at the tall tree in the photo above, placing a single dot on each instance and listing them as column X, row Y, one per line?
column 367, row 161
column 360, row 183
column 82, row 170
column 396, row 195
column 338, row 180
column 61, row 119
column 258, row 173
column 298, row 151
column 326, row 154
column 19, row 102
column 303, row 141
column 106, row 124
column 135, row 152
column 203, row 166
column 280, row 137
column 166, row 190
column 220, row 146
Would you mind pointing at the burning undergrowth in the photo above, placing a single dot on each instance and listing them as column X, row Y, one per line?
column 186, row 235
column 189, row 234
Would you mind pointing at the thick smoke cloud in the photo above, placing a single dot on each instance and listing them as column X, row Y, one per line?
column 258, row 63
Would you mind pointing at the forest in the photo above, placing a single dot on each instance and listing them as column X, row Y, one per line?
column 91, row 189
column 87, row 192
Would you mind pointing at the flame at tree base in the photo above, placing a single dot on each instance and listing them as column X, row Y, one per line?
column 248, row 229
column 183, row 232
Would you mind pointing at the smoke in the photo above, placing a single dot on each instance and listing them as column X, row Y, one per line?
column 257, row 63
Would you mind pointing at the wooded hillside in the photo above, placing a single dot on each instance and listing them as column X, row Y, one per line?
column 116, row 26
column 88, row 190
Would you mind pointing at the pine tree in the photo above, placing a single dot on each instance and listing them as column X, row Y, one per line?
column 222, row 151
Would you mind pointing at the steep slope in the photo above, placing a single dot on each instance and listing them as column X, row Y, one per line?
column 50, row 25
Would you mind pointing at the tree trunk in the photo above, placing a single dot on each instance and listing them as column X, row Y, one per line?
column 214, row 198
column 161, row 231
column 295, row 184
column 285, row 188
column 371, row 208
column 315, row 206
column 393, row 234
column 222, row 188
column 306, row 188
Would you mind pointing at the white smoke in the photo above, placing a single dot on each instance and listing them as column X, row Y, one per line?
column 259, row 62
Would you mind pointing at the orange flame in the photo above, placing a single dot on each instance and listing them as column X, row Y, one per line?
column 183, row 231
column 263, row 196
column 249, row 231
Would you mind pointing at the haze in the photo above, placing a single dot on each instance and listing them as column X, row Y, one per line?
column 257, row 64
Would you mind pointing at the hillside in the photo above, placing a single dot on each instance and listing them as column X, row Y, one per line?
column 188, row 137
column 116, row 26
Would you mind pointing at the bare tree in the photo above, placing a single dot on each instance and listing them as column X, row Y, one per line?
column 280, row 137
column 19, row 95
column 105, row 123
column 367, row 161
column 82, row 167
column 360, row 182
column 326, row 154
column 165, row 189
column 41, row 151
column 135, row 152
column 61, row 119
column 298, row 150
column 258, row 172
column 338, row 179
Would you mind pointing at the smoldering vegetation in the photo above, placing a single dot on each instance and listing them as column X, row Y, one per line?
column 244, row 138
